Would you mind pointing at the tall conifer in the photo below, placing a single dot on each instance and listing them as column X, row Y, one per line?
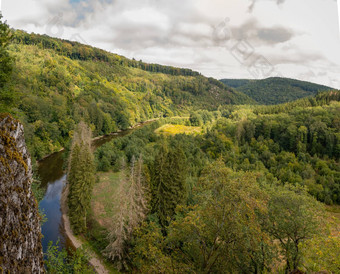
column 168, row 182
column 81, row 178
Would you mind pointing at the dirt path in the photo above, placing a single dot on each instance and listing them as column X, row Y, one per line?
column 95, row 262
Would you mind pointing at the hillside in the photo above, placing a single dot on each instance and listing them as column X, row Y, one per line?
column 56, row 83
column 217, row 183
column 275, row 90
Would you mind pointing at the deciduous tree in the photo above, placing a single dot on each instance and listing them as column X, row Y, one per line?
column 222, row 233
column 6, row 64
column 293, row 217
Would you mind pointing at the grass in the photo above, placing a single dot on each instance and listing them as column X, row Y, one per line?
column 103, row 197
column 102, row 211
column 169, row 129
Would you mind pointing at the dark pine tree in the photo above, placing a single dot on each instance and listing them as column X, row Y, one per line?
column 168, row 189
column 81, row 178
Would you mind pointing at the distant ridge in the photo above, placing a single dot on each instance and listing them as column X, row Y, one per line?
column 275, row 90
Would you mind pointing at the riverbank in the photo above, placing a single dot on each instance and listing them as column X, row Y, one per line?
column 49, row 155
column 102, row 137
column 75, row 242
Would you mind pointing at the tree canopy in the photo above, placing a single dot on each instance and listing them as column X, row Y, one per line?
column 6, row 65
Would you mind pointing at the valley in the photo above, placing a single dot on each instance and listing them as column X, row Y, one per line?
column 169, row 171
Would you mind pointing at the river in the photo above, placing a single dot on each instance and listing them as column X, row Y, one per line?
column 53, row 179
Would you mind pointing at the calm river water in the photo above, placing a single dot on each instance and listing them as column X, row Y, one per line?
column 53, row 179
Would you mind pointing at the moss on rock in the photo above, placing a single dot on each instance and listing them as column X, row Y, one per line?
column 20, row 237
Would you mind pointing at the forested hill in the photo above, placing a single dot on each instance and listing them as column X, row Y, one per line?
column 275, row 90
column 56, row 83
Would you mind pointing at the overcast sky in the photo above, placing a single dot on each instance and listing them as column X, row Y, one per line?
column 219, row 38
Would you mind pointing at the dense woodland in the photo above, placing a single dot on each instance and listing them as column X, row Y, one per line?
column 244, row 192
column 300, row 146
column 275, row 90
column 265, row 168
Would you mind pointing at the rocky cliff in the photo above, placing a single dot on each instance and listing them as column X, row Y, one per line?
column 20, row 232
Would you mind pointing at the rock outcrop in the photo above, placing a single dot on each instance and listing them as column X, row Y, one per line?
column 20, row 231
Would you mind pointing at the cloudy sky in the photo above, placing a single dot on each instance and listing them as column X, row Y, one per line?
column 219, row 38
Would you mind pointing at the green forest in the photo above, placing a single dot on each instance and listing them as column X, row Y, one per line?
column 221, row 179
column 56, row 83
column 245, row 194
column 275, row 90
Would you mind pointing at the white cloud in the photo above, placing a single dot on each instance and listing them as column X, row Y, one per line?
column 292, row 35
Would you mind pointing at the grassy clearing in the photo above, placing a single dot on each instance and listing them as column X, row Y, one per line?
column 169, row 129
column 103, row 197
column 102, row 211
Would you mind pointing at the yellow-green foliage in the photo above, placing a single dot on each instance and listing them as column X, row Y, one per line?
column 322, row 252
column 169, row 129
column 58, row 83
